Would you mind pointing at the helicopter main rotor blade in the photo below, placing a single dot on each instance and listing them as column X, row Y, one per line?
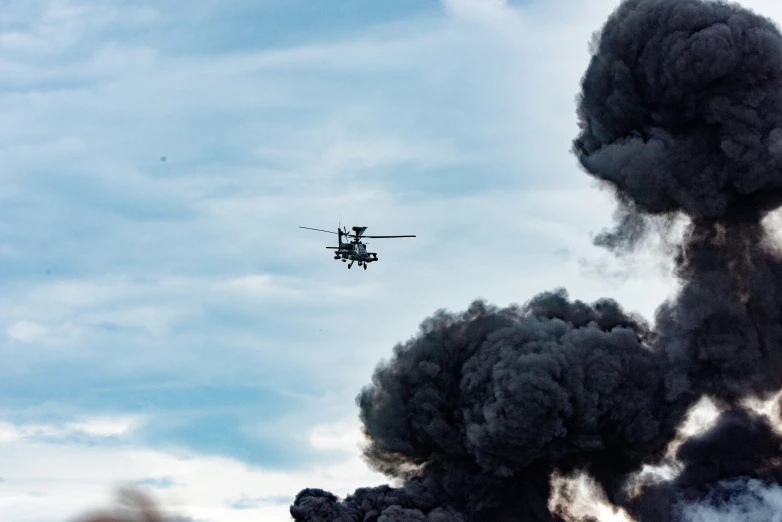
column 319, row 230
column 383, row 237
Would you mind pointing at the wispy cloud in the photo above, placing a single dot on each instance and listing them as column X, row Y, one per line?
column 91, row 429
column 247, row 502
column 166, row 482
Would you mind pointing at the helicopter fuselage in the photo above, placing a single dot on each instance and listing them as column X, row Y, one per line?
column 354, row 252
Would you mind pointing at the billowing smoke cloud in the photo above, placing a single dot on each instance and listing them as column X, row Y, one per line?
column 681, row 115
column 681, row 111
column 499, row 390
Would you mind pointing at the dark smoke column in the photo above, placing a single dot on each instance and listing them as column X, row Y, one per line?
column 681, row 114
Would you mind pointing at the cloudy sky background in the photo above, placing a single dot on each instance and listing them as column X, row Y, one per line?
column 164, row 322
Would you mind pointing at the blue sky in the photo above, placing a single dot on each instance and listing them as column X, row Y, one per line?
column 164, row 322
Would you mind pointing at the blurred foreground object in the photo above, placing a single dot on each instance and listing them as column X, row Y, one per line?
column 135, row 506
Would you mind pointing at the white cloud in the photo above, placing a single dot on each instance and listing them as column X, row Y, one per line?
column 582, row 498
column 340, row 436
column 260, row 286
column 92, row 426
column 26, row 331
column 492, row 10
column 699, row 419
column 105, row 426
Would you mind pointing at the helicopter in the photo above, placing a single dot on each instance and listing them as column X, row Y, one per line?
column 355, row 250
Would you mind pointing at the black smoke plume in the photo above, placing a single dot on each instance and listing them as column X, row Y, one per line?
column 680, row 115
column 681, row 111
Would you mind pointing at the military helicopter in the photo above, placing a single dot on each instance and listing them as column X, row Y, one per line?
column 355, row 250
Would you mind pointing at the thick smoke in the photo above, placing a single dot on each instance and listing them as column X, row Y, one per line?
column 503, row 389
column 681, row 110
column 722, row 334
column 681, row 115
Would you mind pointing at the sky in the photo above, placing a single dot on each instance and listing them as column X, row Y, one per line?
column 163, row 320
